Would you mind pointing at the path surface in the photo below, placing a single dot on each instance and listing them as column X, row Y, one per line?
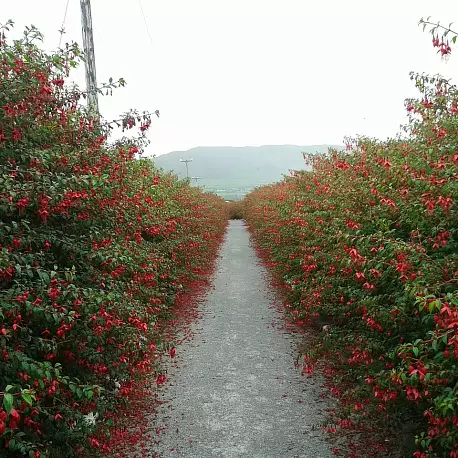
column 235, row 391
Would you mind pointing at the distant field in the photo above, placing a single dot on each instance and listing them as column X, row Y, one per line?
column 234, row 189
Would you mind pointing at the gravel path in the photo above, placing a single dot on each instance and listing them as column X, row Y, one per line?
column 234, row 391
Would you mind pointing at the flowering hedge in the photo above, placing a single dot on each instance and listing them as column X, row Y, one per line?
column 95, row 244
column 366, row 245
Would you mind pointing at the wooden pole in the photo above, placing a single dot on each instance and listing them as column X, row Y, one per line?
column 88, row 44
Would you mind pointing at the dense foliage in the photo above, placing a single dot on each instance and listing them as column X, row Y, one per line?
column 95, row 244
column 366, row 245
column 235, row 210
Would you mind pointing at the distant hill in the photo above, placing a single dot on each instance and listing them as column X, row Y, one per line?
column 234, row 171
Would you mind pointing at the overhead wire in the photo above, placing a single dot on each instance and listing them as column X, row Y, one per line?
column 149, row 35
column 146, row 22
column 62, row 30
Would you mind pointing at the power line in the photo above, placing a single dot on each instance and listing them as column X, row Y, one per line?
column 146, row 23
column 62, row 30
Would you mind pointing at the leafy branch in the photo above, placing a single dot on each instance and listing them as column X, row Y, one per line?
column 444, row 43
column 435, row 26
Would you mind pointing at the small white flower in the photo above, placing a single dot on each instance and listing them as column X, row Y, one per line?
column 90, row 418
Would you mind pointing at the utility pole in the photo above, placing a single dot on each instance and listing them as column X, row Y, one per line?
column 88, row 44
column 186, row 162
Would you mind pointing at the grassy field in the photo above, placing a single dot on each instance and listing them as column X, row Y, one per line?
column 234, row 189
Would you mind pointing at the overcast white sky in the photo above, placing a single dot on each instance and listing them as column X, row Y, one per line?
column 253, row 72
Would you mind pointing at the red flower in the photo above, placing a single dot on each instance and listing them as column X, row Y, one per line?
column 15, row 418
column 16, row 134
column 59, row 82
column 22, row 203
column 3, row 416
column 43, row 215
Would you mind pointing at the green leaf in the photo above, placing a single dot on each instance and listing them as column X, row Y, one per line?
column 27, row 397
column 44, row 276
column 8, row 402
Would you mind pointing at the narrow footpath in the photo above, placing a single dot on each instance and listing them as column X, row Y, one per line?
column 235, row 391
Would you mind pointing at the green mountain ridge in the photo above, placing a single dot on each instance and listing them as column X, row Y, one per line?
column 232, row 171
